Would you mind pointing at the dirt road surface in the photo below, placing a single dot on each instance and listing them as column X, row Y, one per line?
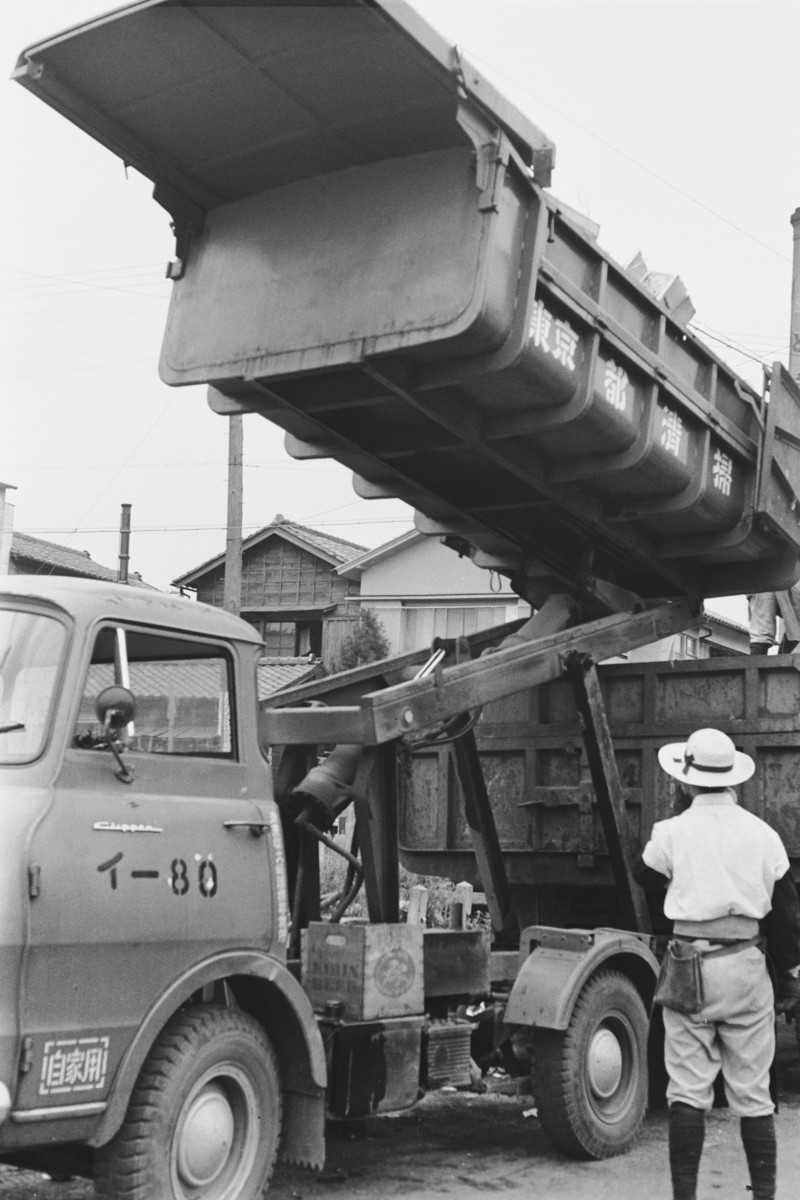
column 463, row 1147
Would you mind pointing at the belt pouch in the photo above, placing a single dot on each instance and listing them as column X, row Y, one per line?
column 680, row 984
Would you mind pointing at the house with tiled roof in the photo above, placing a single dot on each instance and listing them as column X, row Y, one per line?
column 291, row 591
column 34, row 556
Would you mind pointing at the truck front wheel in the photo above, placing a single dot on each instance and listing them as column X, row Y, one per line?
column 204, row 1118
column 591, row 1081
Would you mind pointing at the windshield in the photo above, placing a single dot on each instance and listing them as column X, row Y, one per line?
column 31, row 652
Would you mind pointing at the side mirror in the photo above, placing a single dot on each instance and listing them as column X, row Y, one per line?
column 115, row 707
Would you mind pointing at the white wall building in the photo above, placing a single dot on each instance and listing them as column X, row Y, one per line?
column 420, row 589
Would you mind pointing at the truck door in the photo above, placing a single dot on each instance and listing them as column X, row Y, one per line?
column 137, row 882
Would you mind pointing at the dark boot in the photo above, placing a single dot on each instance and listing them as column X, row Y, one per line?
column 687, row 1127
column 758, row 1139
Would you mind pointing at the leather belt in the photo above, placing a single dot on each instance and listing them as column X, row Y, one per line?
column 734, row 927
column 723, row 946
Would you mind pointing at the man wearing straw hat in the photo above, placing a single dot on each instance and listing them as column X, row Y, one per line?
column 729, row 894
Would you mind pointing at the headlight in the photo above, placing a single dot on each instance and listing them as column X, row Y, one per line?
column 5, row 1102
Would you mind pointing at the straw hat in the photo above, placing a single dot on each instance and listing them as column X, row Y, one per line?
column 708, row 759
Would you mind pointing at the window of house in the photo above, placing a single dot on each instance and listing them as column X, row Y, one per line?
column 290, row 639
column 692, row 646
column 279, row 638
column 182, row 690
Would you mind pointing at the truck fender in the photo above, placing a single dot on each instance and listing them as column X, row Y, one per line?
column 561, row 961
column 267, row 989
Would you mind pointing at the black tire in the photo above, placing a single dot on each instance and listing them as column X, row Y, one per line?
column 204, row 1118
column 591, row 1081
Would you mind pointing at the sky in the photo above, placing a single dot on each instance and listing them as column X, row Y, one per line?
column 675, row 125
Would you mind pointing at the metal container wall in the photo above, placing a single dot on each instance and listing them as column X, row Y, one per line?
column 366, row 256
column 512, row 407
column 534, row 761
column 489, row 364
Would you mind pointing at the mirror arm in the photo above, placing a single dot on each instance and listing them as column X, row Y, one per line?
column 124, row 773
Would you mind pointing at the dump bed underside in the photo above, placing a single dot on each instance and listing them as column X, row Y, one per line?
column 366, row 257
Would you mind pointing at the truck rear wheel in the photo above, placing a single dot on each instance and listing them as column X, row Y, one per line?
column 205, row 1115
column 591, row 1081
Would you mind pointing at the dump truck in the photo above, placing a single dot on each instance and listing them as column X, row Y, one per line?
column 368, row 255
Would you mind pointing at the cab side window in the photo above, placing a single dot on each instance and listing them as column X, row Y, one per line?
column 182, row 690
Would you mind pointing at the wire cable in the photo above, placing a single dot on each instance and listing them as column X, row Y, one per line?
column 629, row 158
column 75, row 529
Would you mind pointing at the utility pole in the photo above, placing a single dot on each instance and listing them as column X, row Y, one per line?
column 124, row 543
column 794, row 329
column 232, row 596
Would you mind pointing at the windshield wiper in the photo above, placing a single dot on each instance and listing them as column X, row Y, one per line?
column 11, row 727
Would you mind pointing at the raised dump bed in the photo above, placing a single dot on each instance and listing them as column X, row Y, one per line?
column 366, row 255
column 534, row 762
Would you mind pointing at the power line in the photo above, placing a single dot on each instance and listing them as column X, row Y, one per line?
column 95, row 335
column 130, row 456
column 277, row 465
column 629, row 158
column 37, row 305
column 151, row 266
column 75, row 313
column 706, row 333
column 130, row 343
column 126, row 362
column 74, row 287
column 213, row 528
column 103, row 287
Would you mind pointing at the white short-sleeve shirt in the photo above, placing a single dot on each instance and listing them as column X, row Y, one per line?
column 720, row 860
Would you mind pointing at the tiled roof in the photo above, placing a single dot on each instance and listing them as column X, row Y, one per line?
column 49, row 558
column 353, row 567
column 199, row 679
column 184, row 679
column 335, row 549
column 194, row 680
column 726, row 621
column 274, row 674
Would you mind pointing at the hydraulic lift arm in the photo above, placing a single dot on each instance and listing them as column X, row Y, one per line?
column 415, row 705
column 382, row 718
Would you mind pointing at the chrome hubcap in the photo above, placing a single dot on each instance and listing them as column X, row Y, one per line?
column 604, row 1064
column 206, row 1137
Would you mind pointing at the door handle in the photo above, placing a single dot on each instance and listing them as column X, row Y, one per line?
column 257, row 828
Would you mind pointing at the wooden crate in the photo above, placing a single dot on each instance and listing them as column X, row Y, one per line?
column 364, row 972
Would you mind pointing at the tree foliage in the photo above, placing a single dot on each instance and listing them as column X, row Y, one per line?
column 366, row 643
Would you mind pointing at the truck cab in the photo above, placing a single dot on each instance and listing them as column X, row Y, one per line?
column 143, row 879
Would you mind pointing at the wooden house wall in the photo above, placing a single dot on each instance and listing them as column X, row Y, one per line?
column 336, row 628
column 278, row 574
column 211, row 587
